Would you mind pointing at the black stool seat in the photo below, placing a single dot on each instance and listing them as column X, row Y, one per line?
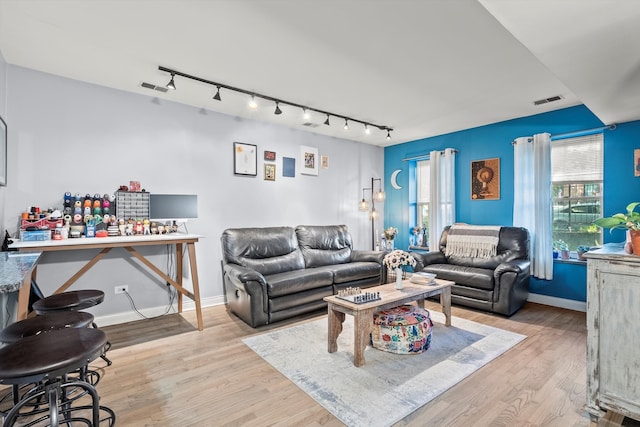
column 69, row 301
column 40, row 357
column 47, row 323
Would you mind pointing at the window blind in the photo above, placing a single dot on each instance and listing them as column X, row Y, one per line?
column 577, row 159
column 423, row 175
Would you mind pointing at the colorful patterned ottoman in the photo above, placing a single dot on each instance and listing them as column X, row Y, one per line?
column 402, row 330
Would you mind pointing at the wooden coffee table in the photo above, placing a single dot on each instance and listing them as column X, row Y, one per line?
column 390, row 297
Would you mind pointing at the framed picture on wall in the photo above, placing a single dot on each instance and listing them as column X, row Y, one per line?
column 270, row 156
column 309, row 160
column 485, row 179
column 245, row 159
column 3, row 152
column 636, row 162
column 269, row 172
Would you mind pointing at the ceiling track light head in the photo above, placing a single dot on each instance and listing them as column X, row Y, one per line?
column 367, row 131
column 278, row 110
column 305, row 114
column 346, row 124
column 217, row 95
column 326, row 122
column 253, row 104
column 388, row 134
column 171, row 85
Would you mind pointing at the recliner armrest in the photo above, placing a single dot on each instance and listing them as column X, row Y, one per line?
column 371, row 256
column 249, row 281
column 425, row 259
column 516, row 266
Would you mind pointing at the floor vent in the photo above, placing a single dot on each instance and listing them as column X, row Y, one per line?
column 153, row 87
column 547, row 100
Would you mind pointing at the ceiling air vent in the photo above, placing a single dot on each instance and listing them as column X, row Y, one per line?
column 547, row 100
column 153, row 87
column 311, row 125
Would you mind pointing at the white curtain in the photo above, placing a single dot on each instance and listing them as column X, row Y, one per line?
column 532, row 199
column 442, row 200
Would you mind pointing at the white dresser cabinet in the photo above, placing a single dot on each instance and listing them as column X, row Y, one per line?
column 613, row 332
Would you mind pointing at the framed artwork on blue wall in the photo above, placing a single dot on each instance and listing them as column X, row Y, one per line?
column 3, row 152
column 485, row 179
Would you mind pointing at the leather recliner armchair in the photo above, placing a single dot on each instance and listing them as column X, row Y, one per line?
column 498, row 284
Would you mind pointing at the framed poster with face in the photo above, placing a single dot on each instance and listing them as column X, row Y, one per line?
column 485, row 179
column 245, row 159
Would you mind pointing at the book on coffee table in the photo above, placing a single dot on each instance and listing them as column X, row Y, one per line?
column 423, row 278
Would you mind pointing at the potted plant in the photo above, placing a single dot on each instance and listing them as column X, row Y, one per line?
column 562, row 247
column 581, row 251
column 630, row 221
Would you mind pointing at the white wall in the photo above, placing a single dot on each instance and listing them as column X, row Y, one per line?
column 66, row 135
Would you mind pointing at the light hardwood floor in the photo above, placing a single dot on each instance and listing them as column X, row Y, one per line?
column 166, row 373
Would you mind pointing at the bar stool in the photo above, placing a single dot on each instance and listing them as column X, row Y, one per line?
column 72, row 301
column 39, row 325
column 46, row 360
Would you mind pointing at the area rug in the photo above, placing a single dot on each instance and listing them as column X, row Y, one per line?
column 389, row 386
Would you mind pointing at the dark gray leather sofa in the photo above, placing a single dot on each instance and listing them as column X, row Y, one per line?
column 499, row 284
column 276, row 273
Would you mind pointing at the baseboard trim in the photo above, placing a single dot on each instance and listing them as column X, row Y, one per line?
column 131, row 316
column 188, row 305
column 569, row 304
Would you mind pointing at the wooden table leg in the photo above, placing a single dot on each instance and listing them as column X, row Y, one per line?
column 363, row 322
column 445, row 301
column 191, row 247
column 23, row 298
column 335, row 321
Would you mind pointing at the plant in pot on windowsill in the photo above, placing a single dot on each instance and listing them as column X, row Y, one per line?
column 629, row 221
column 562, row 247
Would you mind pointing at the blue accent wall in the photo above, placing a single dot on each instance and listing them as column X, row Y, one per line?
column 620, row 185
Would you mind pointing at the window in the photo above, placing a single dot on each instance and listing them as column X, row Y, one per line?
column 423, row 179
column 576, row 180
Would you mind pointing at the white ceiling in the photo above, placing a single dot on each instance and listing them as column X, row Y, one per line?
column 421, row 67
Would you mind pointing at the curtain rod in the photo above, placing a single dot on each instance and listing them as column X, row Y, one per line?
column 576, row 133
column 584, row 132
column 423, row 156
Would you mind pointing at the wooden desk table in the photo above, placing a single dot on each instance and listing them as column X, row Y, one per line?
column 105, row 244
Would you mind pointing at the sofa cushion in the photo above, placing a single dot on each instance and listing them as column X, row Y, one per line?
column 481, row 278
column 324, row 244
column 353, row 271
column 291, row 282
column 268, row 250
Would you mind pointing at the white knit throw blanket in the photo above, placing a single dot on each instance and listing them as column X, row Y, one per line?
column 476, row 241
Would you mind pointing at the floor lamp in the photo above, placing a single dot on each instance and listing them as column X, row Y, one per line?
column 373, row 214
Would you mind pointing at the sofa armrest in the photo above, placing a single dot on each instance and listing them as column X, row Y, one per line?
column 247, row 280
column 424, row 259
column 511, row 281
column 371, row 256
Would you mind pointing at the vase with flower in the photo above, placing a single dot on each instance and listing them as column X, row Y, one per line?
column 389, row 236
column 397, row 261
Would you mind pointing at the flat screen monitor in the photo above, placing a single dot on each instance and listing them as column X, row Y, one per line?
column 169, row 207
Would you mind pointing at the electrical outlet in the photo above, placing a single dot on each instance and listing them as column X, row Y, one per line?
column 121, row 289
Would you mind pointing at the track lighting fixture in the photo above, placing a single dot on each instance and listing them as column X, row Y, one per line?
column 217, row 95
column 253, row 102
column 171, row 84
